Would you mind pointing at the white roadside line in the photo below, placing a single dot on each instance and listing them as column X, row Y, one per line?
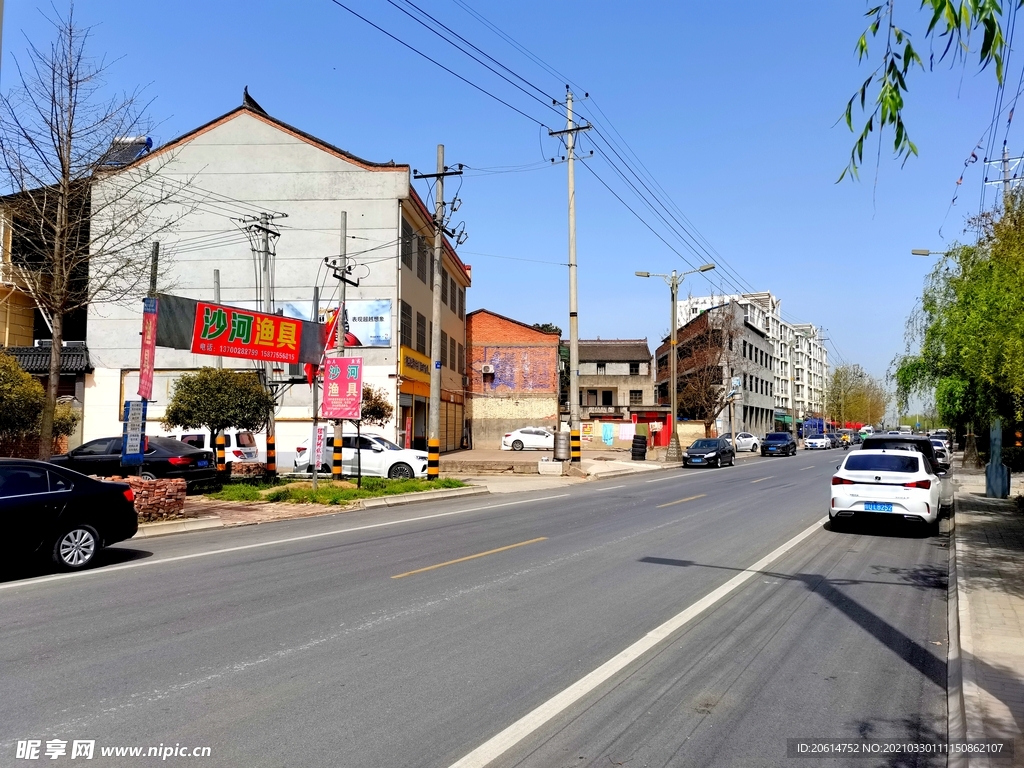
column 803, row 468
column 257, row 545
column 610, row 488
column 519, row 730
column 760, row 479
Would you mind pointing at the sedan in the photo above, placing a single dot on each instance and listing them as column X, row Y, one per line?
column 709, row 451
column 941, row 451
column 835, row 439
column 744, row 441
column 536, row 438
column 63, row 516
column 817, row 442
column 778, row 444
column 377, row 457
column 162, row 457
column 895, row 483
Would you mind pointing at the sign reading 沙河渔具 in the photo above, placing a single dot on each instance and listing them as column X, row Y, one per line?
column 234, row 332
column 343, row 387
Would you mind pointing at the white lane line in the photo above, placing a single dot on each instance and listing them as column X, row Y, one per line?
column 243, row 547
column 519, row 730
column 761, row 478
column 672, row 477
column 810, row 467
column 610, row 488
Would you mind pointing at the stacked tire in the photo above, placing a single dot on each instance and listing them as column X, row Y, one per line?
column 639, row 449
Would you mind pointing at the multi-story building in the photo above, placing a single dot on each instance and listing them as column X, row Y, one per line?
column 614, row 379
column 228, row 173
column 800, row 369
column 513, row 372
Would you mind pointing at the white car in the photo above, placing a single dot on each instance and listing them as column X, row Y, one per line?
column 889, row 482
column 528, row 438
column 379, row 457
column 744, row 441
column 817, row 442
column 941, row 451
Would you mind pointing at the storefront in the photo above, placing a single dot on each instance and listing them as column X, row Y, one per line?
column 414, row 402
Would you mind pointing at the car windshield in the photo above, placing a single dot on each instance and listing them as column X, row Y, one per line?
column 815, row 437
column 887, row 462
column 703, row 445
column 777, row 437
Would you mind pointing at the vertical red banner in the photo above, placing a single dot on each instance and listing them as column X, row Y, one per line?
column 148, row 354
column 343, row 388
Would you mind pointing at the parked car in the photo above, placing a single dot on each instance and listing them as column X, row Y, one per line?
column 536, row 438
column 817, row 443
column 239, row 444
column 834, row 439
column 922, row 445
column 896, row 483
column 162, row 457
column 945, row 436
column 377, row 457
column 709, row 451
column 778, row 444
column 64, row 516
column 744, row 441
column 941, row 451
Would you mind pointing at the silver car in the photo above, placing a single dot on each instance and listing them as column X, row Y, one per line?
column 744, row 441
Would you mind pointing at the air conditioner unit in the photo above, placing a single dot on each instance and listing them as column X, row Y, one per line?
column 485, row 369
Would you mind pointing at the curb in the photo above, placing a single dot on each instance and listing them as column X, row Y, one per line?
column 165, row 527
column 402, row 499
column 956, row 727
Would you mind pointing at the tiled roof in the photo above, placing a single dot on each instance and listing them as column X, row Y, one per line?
column 36, row 360
column 614, row 351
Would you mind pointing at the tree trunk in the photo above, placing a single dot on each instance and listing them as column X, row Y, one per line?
column 970, row 457
column 708, row 425
column 50, row 403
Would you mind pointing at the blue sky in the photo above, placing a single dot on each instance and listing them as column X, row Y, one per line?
column 732, row 107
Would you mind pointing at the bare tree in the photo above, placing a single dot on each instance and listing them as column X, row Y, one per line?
column 59, row 133
column 705, row 361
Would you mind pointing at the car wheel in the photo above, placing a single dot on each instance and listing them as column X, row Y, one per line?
column 401, row 471
column 76, row 548
column 148, row 476
column 517, row 445
column 753, row 448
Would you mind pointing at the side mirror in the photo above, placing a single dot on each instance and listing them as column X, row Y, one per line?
column 837, row 466
column 377, row 449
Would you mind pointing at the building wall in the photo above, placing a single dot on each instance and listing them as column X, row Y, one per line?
column 17, row 316
column 522, row 391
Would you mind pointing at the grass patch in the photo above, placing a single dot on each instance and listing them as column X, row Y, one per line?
column 372, row 486
column 237, row 492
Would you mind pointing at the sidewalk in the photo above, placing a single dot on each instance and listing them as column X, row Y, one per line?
column 989, row 555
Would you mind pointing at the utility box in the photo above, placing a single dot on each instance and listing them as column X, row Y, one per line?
column 550, row 468
column 562, row 450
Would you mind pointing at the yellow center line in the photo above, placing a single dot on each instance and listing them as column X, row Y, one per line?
column 761, row 478
column 680, row 501
column 469, row 557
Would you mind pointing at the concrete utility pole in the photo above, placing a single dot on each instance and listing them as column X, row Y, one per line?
column 434, row 411
column 216, row 300
column 339, row 346
column 574, row 332
column 675, row 451
column 268, row 368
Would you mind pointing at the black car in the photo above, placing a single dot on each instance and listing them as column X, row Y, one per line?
column 61, row 515
column 778, row 444
column 918, row 443
column 709, row 451
column 163, row 457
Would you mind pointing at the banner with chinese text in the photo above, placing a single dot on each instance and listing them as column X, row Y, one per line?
column 148, row 355
column 343, row 387
column 233, row 332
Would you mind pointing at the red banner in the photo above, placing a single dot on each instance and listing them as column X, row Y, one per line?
column 233, row 332
column 148, row 356
column 343, row 388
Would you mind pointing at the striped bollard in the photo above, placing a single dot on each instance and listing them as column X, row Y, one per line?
column 221, row 462
column 433, row 458
column 271, row 457
column 575, row 450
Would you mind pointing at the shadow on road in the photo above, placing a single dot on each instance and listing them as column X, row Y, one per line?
column 16, row 571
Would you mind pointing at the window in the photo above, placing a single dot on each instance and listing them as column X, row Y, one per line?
column 606, row 397
column 451, row 353
column 744, row 349
column 421, row 260
column 462, row 303
column 444, row 349
column 421, row 334
column 195, row 440
column 601, row 368
column 462, row 359
column 636, row 397
column 634, row 369
column 94, row 448
column 591, row 397
column 407, row 244
column 405, row 328
column 59, row 482
column 444, row 286
column 22, row 481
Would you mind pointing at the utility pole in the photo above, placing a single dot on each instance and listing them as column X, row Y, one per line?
column 434, row 410
column 339, row 346
column 218, row 439
column 315, row 317
column 574, row 333
column 264, row 231
column 216, row 300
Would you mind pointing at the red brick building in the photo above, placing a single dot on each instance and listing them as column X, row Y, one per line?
column 513, row 377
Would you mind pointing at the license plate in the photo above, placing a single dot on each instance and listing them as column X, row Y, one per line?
column 696, row 461
column 202, row 463
column 876, row 506
column 772, row 450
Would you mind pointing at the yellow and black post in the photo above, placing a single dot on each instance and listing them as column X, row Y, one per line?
column 575, row 451
column 433, row 458
column 336, row 456
column 221, row 463
column 271, row 457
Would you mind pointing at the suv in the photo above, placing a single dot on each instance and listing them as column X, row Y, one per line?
column 778, row 444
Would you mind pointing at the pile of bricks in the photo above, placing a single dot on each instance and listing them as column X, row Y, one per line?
column 162, row 499
column 248, row 469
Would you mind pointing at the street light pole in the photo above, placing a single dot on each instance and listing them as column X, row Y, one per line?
column 675, row 451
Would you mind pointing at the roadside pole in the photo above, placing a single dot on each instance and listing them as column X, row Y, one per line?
column 268, row 368
column 339, row 347
column 218, row 439
column 314, row 442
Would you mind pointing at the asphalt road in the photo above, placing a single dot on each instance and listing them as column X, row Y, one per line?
column 614, row 623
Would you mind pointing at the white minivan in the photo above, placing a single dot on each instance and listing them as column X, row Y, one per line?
column 239, row 444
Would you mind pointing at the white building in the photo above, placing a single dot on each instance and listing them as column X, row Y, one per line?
column 798, row 349
column 246, row 163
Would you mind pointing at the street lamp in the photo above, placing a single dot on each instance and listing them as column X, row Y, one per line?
column 675, row 451
column 926, row 252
